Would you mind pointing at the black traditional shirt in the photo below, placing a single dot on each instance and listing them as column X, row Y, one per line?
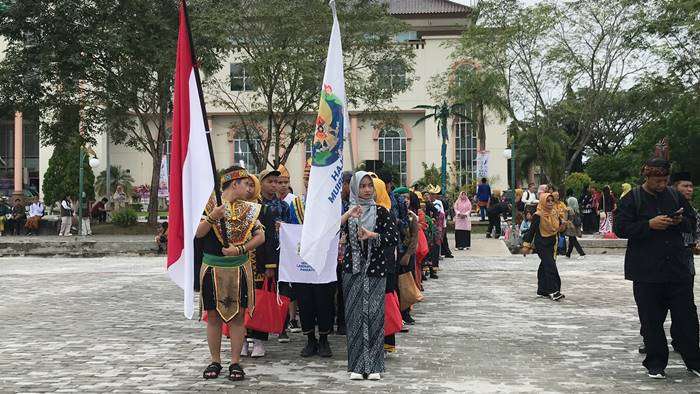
column 654, row 256
column 268, row 254
column 388, row 237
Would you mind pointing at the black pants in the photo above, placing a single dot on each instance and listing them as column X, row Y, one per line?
column 548, row 280
column 654, row 300
column 573, row 243
column 494, row 222
column 445, row 246
column 16, row 226
column 315, row 306
column 100, row 216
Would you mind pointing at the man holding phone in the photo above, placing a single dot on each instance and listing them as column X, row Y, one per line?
column 653, row 218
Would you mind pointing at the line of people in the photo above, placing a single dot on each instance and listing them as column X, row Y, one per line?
column 391, row 240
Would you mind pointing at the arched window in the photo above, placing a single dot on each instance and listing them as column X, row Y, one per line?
column 392, row 149
column 243, row 155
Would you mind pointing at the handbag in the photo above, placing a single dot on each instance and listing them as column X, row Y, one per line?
column 393, row 322
column 408, row 291
column 270, row 311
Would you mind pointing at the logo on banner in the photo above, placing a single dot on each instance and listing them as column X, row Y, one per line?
column 328, row 139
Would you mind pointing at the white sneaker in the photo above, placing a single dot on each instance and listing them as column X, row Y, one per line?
column 356, row 376
column 258, row 349
column 581, row 257
column 374, row 376
column 245, row 351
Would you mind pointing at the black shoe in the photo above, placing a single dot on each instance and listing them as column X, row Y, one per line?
column 642, row 349
column 694, row 371
column 657, row 374
column 408, row 319
column 324, row 348
column 488, row 235
column 294, row 326
column 449, row 256
column 340, row 330
column 310, row 349
column 433, row 276
column 556, row 296
column 283, row 337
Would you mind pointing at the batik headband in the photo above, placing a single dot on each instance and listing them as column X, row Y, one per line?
column 233, row 175
column 648, row 171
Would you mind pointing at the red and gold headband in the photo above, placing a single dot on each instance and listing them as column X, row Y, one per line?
column 233, row 175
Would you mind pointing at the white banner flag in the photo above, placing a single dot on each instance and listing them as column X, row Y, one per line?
column 293, row 269
column 323, row 208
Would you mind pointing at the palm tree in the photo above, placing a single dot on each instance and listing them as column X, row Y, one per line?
column 441, row 113
column 483, row 88
column 116, row 177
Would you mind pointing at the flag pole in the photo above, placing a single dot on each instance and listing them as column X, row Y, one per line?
column 217, row 182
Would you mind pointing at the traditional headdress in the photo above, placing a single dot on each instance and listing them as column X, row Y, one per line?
column 235, row 174
column 283, row 171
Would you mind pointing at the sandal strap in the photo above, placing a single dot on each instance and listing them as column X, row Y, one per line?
column 236, row 369
column 213, row 367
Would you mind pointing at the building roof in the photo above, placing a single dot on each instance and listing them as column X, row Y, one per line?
column 412, row 7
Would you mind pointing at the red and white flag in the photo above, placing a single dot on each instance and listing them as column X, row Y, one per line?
column 191, row 173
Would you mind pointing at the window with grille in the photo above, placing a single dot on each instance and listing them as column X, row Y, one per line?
column 243, row 155
column 465, row 151
column 241, row 79
column 392, row 150
column 392, row 76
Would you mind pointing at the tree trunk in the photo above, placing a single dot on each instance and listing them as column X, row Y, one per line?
column 155, row 182
column 480, row 125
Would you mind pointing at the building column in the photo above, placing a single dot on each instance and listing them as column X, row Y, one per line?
column 19, row 154
column 354, row 141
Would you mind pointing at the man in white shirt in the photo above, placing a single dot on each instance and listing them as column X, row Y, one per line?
column 36, row 211
column 529, row 198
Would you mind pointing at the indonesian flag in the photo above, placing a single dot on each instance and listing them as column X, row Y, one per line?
column 191, row 172
column 323, row 209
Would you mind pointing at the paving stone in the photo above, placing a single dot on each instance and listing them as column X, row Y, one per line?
column 115, row 324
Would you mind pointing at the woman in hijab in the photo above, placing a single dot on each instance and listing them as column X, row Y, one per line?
column 573, row 225
column 542, row 237
column 369, row 230
column 588, row 214
column 463, row 225
column 607, row 206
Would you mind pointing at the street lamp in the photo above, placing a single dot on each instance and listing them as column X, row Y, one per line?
column 509, row 155
column 93, row 162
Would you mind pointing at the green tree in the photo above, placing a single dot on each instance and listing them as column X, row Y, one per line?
column 282, row 46
column 545, row 149
column 592, row 46
column 62, row 176
column 117, row 176
column 114, row 59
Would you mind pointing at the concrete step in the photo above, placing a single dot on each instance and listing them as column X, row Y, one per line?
column 76, row 246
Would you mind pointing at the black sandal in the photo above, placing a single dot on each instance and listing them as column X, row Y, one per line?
column 212, row 371
column 235, row 373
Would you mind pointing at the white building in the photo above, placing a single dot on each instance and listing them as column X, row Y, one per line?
column 435, row 24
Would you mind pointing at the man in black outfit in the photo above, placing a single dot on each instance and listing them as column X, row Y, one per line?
column 652, row 218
